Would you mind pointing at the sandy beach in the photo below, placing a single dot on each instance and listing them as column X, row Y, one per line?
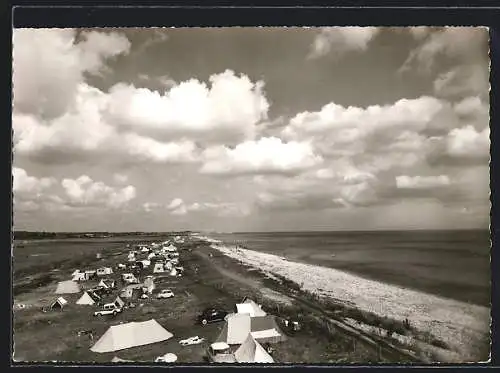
column 464, row 327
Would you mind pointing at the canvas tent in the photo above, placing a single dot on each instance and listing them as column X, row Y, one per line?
column 88, row 299
column 79, row 276
column 119, row 302
column 173, row 272
column 263, row 328
column 252, row 352
column 59, row 303
column 132, row 334
column 251, row 308
column 76, row 271
column 158, row 268
column 67, row 287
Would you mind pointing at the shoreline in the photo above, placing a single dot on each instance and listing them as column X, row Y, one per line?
column 464, row 327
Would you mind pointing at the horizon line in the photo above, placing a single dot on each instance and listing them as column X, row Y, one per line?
column 255, row 231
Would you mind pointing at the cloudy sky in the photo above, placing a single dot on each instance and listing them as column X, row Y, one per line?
column 250, row 129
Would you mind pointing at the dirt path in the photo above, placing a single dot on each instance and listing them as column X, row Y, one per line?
column 249, row 282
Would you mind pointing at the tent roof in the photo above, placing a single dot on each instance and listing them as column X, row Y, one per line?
column 85, row 299
column 132, row 334
column 252, row 352
column 238, row 326
column 67, row 287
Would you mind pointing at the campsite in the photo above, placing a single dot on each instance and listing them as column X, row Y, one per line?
column 113, row 313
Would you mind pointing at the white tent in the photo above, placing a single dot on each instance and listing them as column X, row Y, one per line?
column 79, row 276
column 251, row 308
column 158, row 268
column 151, row 255
column 132, row 334
column 146, row 263
column 252, row 352
column 103, row 284
column 119, row 302
column 67, row 287
column 239, row 325
column 173, row 272
column 86, row 300
column 75, row 272
column 59, row 303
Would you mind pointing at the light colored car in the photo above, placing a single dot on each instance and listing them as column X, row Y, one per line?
column 220, row 352
column 191, row 341
column 166, row 293
column 109, row 309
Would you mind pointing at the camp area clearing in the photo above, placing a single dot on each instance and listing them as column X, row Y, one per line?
column 54, row 308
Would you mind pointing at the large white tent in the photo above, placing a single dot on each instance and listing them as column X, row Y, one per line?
column 238, row 326
column 67, row 287
column 252, row 352
column 132, row 334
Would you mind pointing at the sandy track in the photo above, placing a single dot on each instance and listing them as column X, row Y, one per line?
column 464, row 327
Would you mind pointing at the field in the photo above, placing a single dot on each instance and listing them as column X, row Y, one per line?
column 209, row 280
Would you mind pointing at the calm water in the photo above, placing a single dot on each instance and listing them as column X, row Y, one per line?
column 453, row 264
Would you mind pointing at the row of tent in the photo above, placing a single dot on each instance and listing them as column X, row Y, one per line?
column 72, row 287
column 134, row 334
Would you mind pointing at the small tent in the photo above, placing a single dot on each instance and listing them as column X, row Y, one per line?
column 252, row 352
column 173, row 272
column 75, row 272
column 119, row 302
column 67, row 287
column 59, row 303
column 88, row 299
column 158, row 268
column 132, row 334
column 251, row 308
column 79, row 276
column 103, row 284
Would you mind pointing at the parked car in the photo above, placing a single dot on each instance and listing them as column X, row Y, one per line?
column 166, row 293
column 109, row 309
column 211, row 315
column 220, row 352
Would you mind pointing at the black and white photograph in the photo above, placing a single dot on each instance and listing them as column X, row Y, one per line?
column 251, row 195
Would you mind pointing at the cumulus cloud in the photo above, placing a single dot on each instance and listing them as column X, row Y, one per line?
column 83, row 191
column 228, row 110
column 150, row 149
column 48, row 66
column 83, row 130
column 340, row 40
column 24, row 184
column 266, row 155
column 467, row 142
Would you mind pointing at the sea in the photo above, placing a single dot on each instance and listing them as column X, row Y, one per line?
column 450, row 264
